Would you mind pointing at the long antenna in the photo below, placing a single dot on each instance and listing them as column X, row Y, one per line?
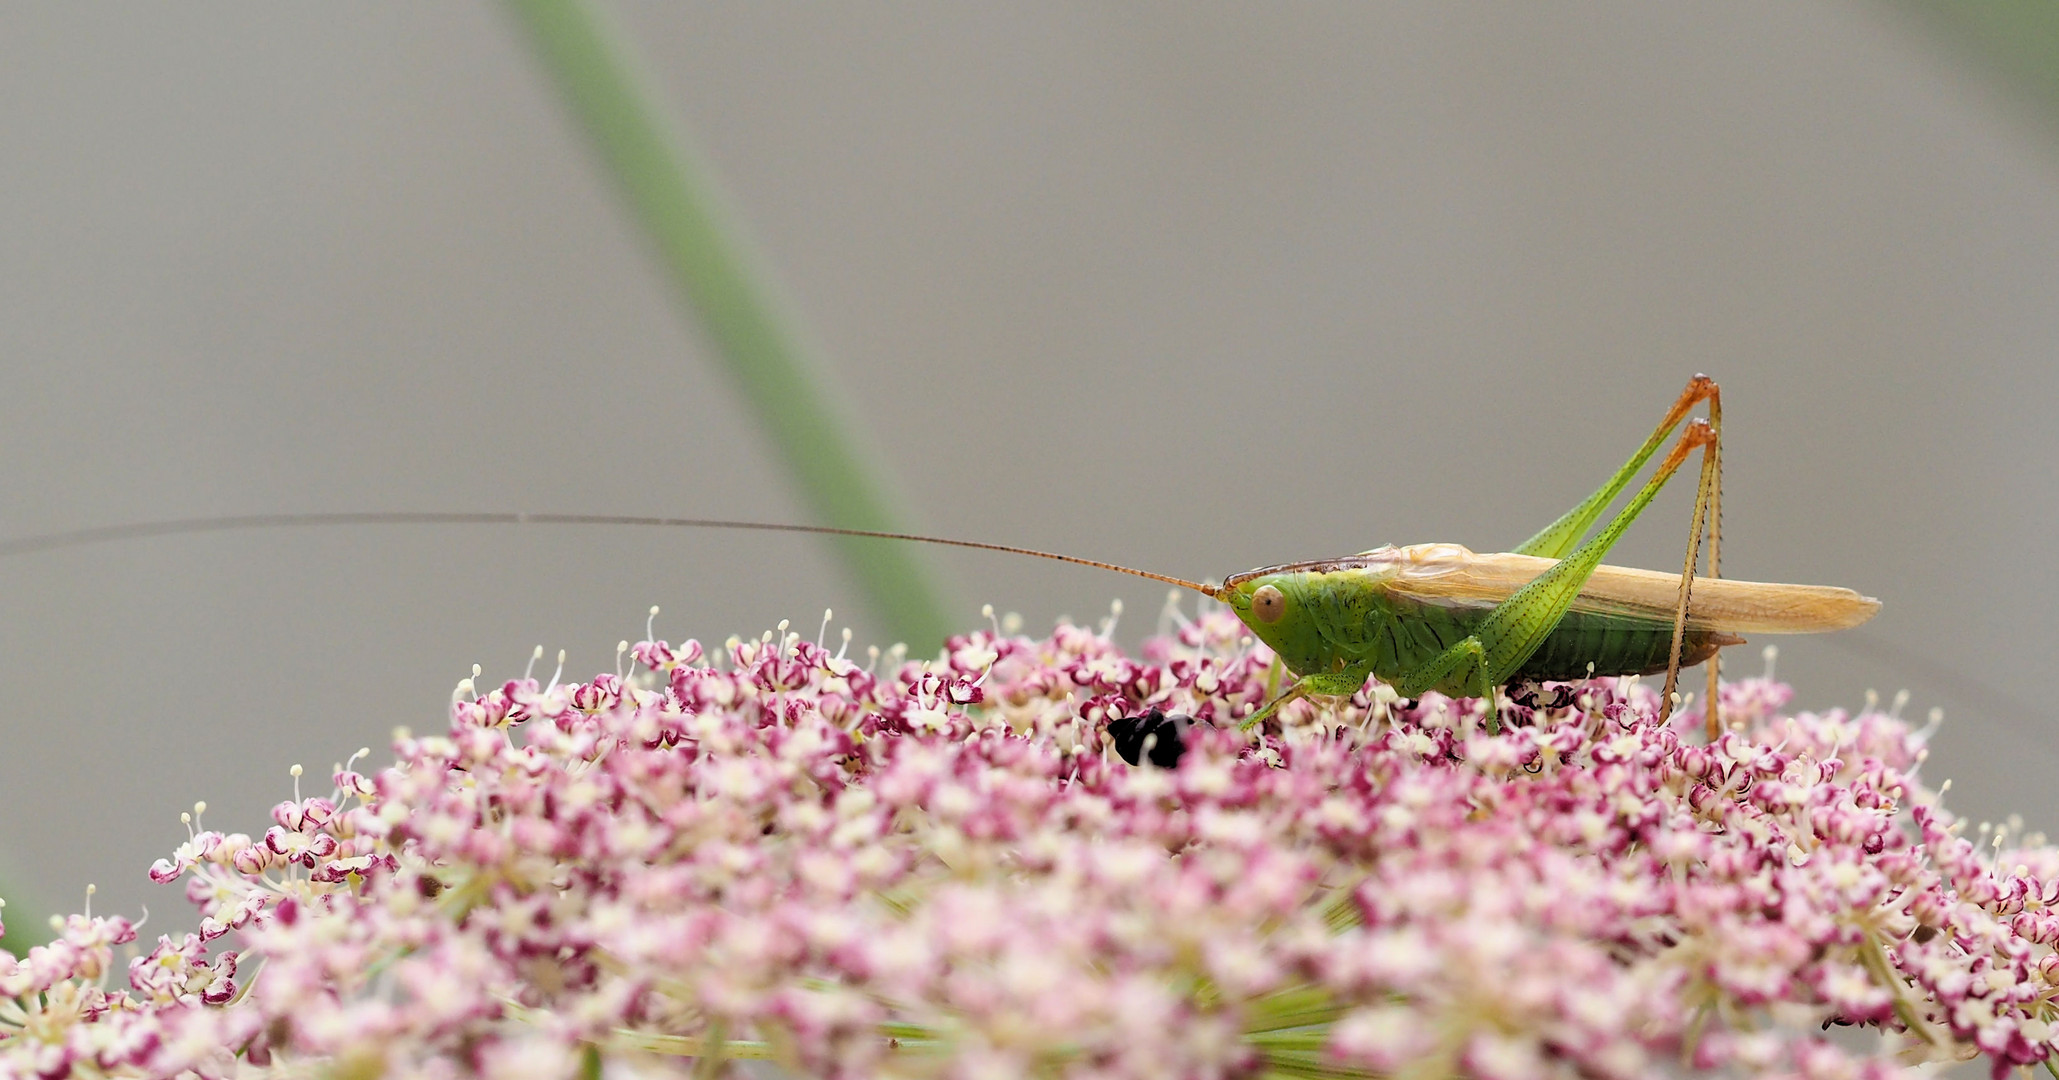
column 142, row 530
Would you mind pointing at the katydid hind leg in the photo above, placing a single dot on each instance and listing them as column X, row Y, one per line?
column 1707, row 517
column 1559, row 537
column 1519, row 624
column 1715, row 673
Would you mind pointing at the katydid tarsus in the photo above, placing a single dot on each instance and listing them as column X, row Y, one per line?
column 1421, row 618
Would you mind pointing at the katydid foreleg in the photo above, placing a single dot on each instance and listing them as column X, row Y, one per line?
column 1323, row 684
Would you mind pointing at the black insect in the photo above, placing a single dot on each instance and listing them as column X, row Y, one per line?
column 1157, row 736
column 1534, row 695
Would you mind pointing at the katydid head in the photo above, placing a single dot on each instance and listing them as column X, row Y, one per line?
column 1274, row 604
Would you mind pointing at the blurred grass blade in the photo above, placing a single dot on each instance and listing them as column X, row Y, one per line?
column 704, row 254
column 2016, row 41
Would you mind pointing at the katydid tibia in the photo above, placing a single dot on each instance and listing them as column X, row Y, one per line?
column 1419, row 618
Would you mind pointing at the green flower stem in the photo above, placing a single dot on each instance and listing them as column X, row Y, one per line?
column 1294, row 1007
column 702, row 250
column 1309, row 1038
column 691, row 1046
column 1309, row 1065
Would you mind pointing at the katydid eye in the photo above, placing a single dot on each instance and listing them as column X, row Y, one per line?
column 1268, row 603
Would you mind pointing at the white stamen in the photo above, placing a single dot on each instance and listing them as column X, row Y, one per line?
column 1770, row 653
column 846, row 646
column 1114, row 616
column 620, row 648
column 650, row 632
column 533, row 658
column 824, row 632
column 1937, row 718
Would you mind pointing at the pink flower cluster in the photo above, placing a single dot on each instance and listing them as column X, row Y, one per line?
column 943, row 870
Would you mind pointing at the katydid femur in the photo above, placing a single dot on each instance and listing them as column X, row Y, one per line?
column 1419, row 618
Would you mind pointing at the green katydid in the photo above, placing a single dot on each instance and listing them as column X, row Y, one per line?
column 1439, row 617
column 1419, row 618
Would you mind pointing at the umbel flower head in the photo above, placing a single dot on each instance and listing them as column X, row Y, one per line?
column 945, row 869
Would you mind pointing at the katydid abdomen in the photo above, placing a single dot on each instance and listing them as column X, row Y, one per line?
column 1612, row 644
column 1615, row 645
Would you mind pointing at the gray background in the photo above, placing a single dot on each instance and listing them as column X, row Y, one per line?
column 1190, row 288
